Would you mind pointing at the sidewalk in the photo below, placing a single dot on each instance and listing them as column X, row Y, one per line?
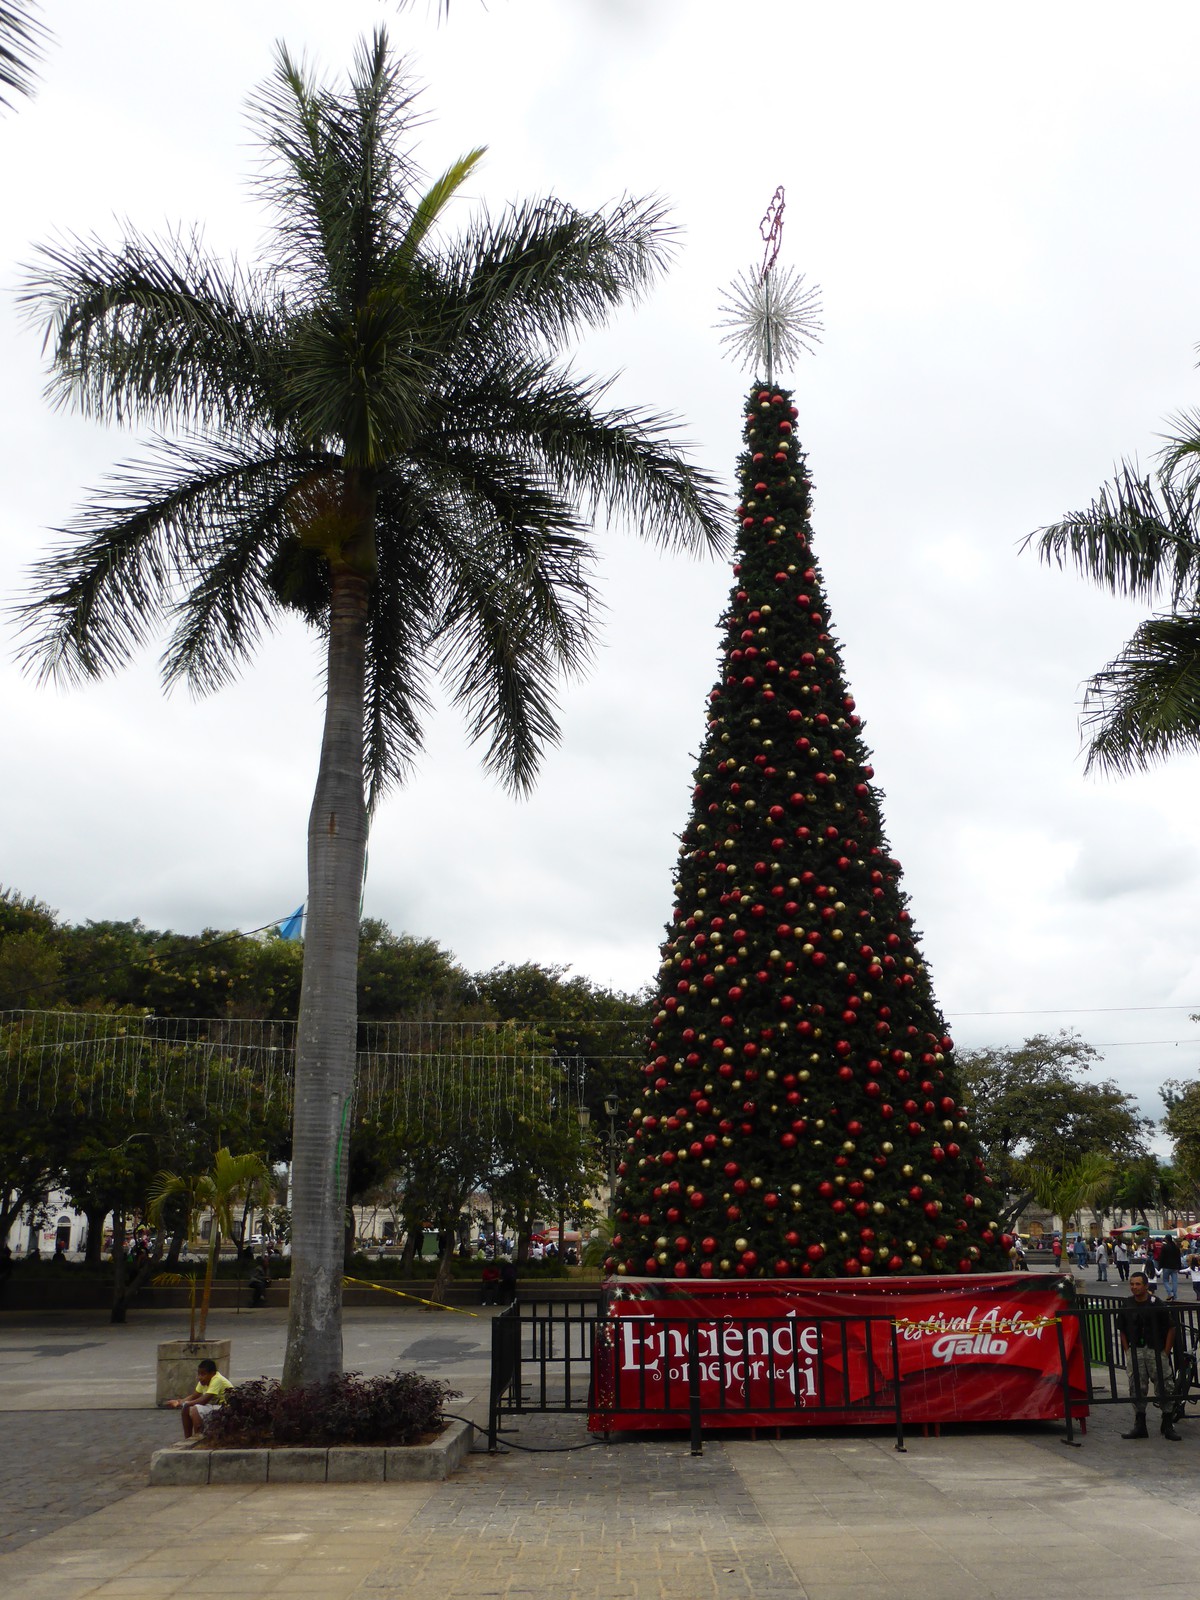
column 982, row 1512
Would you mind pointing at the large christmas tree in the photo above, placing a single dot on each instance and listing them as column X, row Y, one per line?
column 800, row 1113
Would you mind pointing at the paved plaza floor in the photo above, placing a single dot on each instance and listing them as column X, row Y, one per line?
column 813, row 1516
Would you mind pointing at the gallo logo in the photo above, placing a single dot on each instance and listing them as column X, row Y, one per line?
column 953, row 1345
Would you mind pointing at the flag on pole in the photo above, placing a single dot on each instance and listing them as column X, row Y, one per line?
column 293, row 928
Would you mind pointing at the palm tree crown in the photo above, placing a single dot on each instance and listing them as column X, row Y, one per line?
column 1140, row 538
column 374, row 430
column 371, row 399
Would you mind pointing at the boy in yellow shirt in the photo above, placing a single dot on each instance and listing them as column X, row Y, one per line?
column 211, row 1389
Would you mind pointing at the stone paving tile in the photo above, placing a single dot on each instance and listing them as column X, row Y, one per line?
column 84, row 1462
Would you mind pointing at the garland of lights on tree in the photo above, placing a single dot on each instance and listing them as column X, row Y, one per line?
column 800, row 1113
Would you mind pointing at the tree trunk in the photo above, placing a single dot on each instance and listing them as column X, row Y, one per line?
column 441, row 1281
column 119, row 1302
column 327, row 1027
column 94, row 1254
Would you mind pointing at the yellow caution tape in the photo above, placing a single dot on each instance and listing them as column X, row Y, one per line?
column 385, row 1288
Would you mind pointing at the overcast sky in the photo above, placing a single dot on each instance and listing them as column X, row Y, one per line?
column 998, row 207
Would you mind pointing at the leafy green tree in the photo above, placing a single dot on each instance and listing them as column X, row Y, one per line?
column 1145, row 1185
column 31, row 971
column 1182, row 1122
column 374, row 431
column 400, row 976
column 1140, row 538
column 1033, row 1109
column 597, row 1029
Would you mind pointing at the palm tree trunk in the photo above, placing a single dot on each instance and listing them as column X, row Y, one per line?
column 327, row 1028
column 214, row 1245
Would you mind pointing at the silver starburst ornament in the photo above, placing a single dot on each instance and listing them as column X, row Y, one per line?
column 772, row 316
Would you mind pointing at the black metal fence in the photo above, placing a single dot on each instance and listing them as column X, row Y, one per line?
column 550, row 1356
column 544, row 1359
column 553, row 1355
column 1107, row 1363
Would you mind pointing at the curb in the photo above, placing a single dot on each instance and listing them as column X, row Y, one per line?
column 183, row 1465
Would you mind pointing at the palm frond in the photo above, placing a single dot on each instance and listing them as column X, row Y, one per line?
column 363, row 381
column 1180, row 454
column 430, row 207
column 515, row 614
column 547, row 269
column 1137, row 538
column 22, row 38
column 138, row 548
column 624, row 460
column 398, row 631
column 156, row 330
column 1145, row 705
column 338, row 177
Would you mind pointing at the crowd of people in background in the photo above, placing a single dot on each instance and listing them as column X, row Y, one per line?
column 1158, row 1258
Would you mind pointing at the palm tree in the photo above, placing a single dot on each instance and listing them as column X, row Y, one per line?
column 230, row 1178
column 1140, row 538
column 375, row 431
column 1066, row 1191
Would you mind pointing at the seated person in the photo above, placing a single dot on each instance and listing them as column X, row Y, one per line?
column 211, row 1389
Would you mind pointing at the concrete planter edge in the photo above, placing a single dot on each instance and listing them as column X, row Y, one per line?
column 183, row 1465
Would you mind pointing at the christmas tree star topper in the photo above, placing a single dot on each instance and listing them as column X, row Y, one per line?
column 772, row 315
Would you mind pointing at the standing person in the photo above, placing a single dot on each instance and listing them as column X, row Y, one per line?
column 1021, row 1260
column 1121, row 1259
column 1169, row 1263
column 1194, row 1274
column 1147, row 1334
column 1057, row 1248
column 1081, row 1252
column 210, row 1391
column 1101, row 1261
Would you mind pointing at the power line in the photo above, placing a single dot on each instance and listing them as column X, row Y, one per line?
column 1071, row 1011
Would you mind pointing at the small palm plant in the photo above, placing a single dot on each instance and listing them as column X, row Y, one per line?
column 230, row 1179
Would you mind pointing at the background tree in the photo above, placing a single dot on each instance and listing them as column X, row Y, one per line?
column 1031, row 1107
column 599, row 1031
column 403, row 976
column 1068, row 1189
column 1182, row 1122
column 374, row 431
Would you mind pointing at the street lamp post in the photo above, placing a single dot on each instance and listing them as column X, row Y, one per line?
column 585, row 1118
column 610, row 1111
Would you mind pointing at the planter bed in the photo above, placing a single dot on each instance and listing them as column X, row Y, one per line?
column 189, row 1463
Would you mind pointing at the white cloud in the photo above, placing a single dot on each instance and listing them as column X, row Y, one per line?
column 998, row 216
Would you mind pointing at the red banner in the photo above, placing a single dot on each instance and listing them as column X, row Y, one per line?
column 793, row 1353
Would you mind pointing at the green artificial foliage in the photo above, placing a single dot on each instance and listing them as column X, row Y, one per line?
column 800, row 1113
